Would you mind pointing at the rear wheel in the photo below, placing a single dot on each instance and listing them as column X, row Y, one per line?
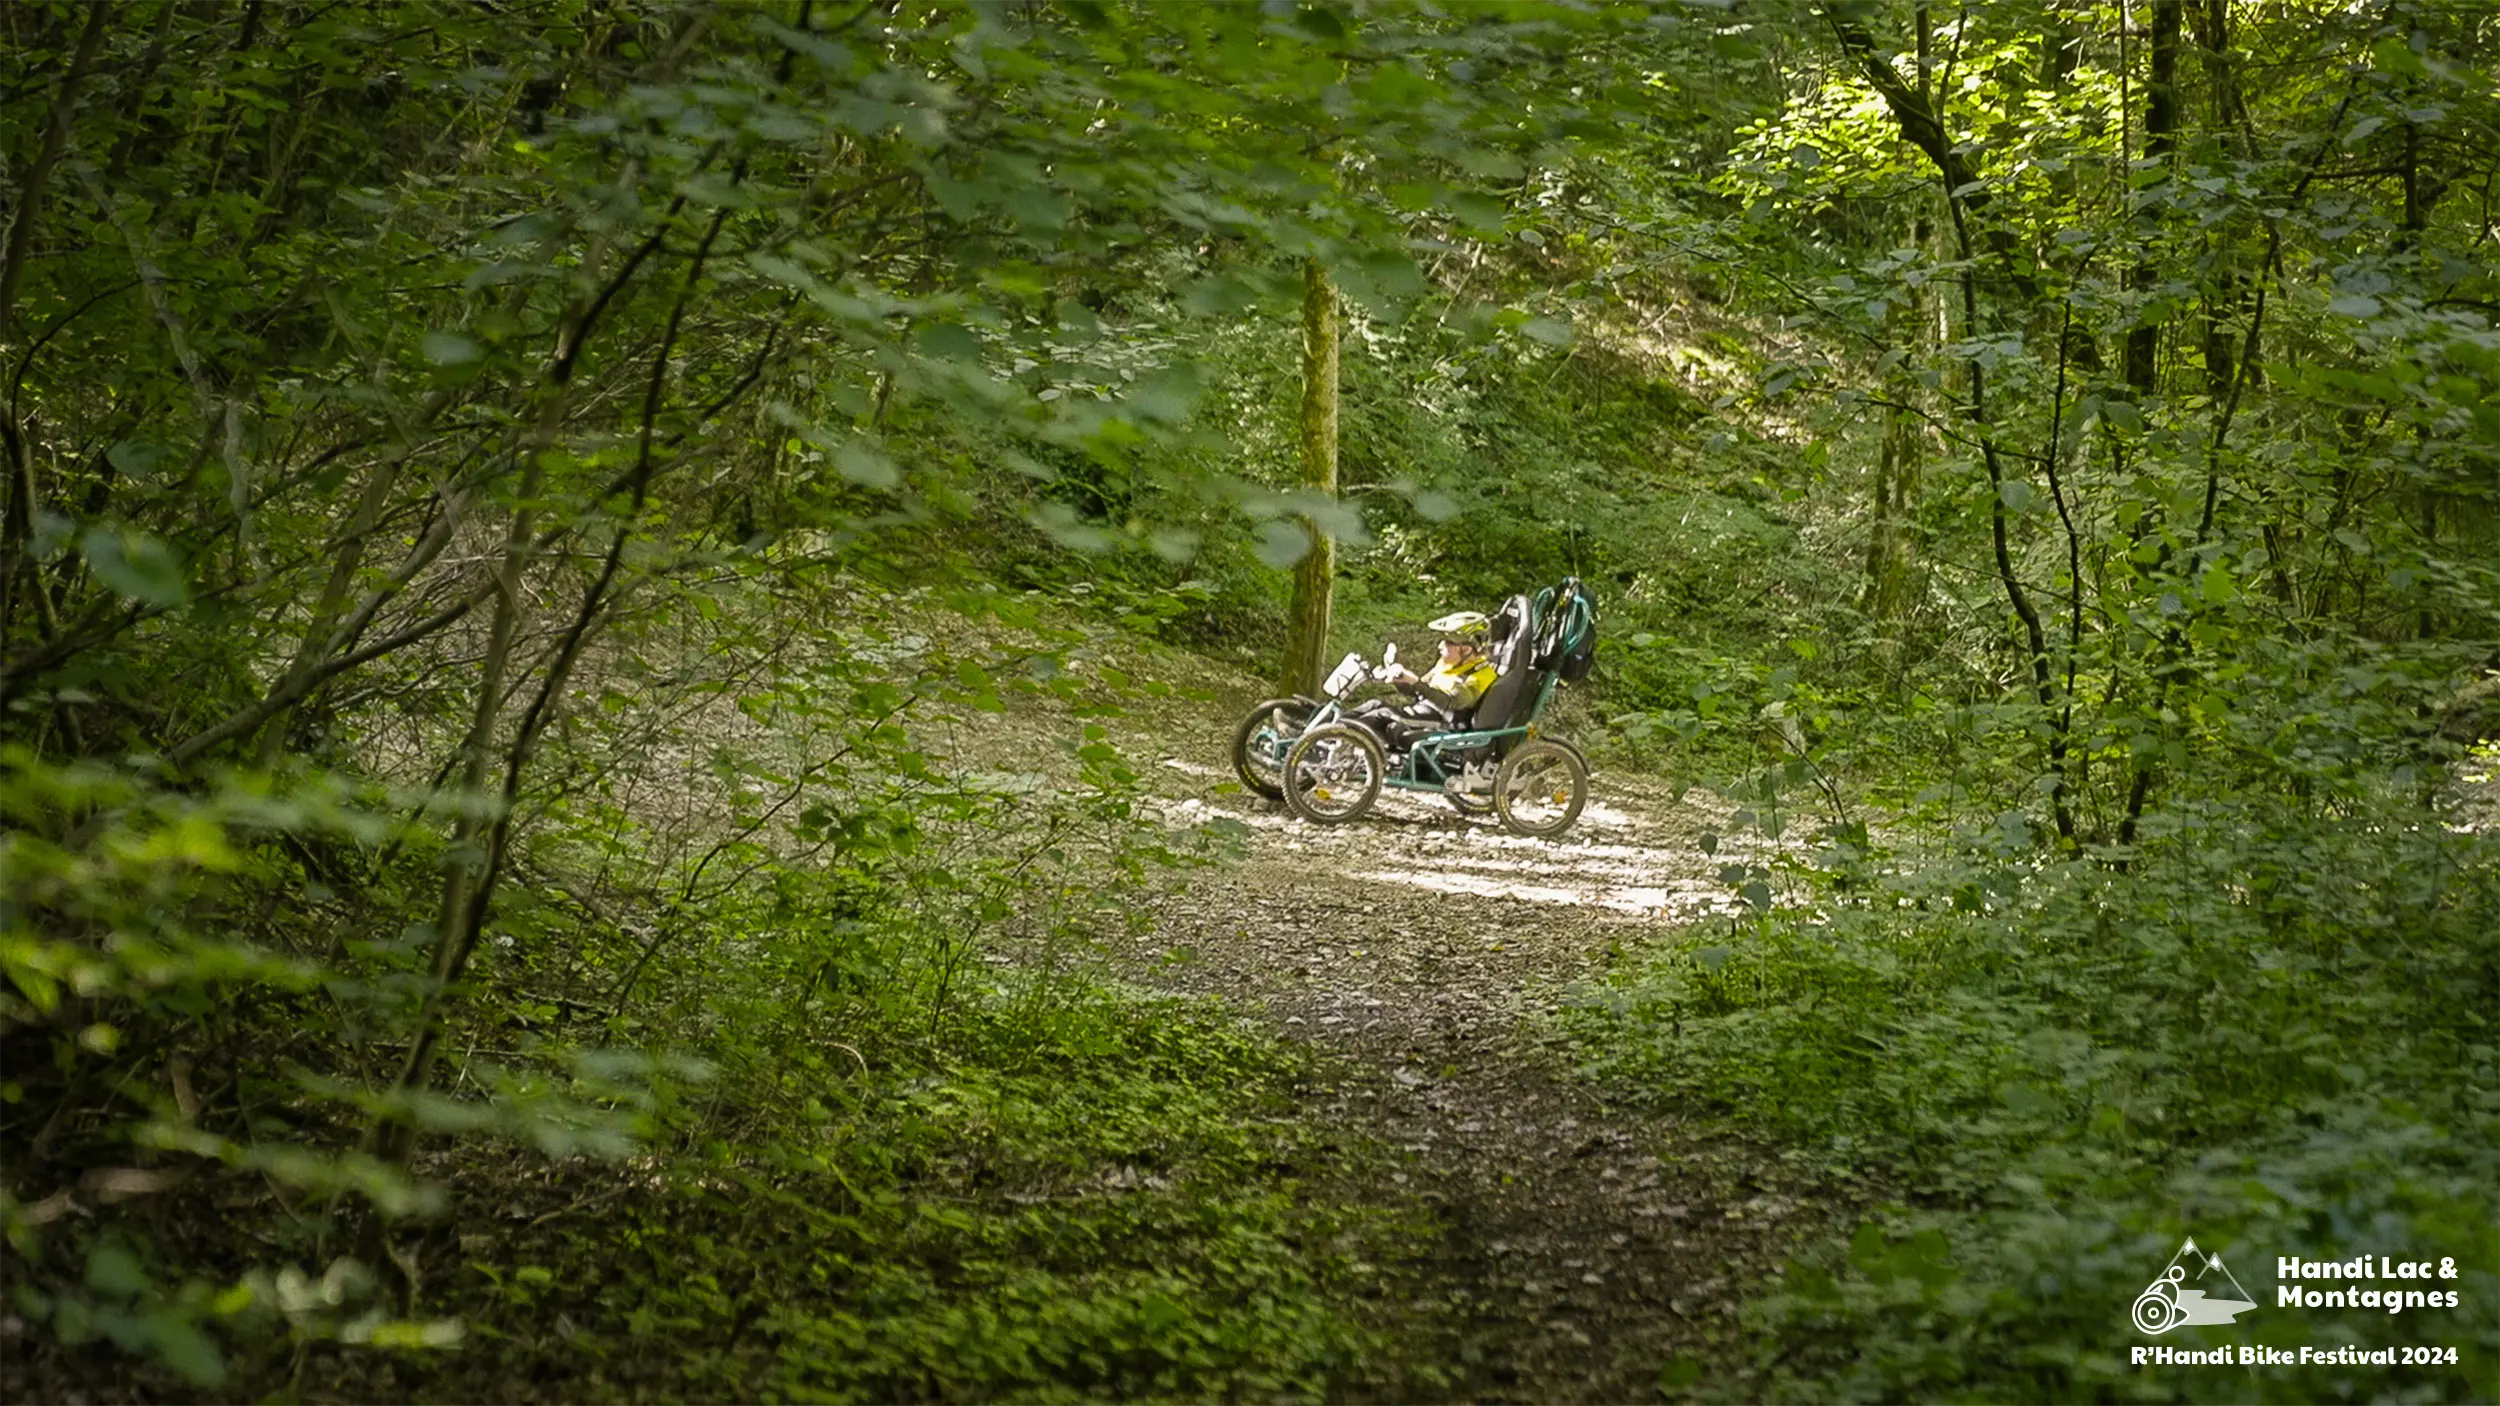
column 1333, row 773
column 1260, row 740
column 1540, row 789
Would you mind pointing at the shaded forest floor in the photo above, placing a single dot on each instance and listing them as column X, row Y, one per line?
column 1308, row 1129
column 1307, row 1132
column 1575, row 1245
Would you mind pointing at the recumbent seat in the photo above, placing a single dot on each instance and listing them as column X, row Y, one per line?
column 1508, row 651
column 1507, row 646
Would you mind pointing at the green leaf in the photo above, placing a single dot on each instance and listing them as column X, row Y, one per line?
column 136, row 565
column 179, row 1344
column 1164, row 396
column 448, row 348
column 866, row 467
column 1039, row 209
column 1320, row 21
column 138, row 458
column 2218, row 588
column 1395, row 275
column 115, row 1273
column 1060, row 523
column 1479, row 212
column 2017, row 495
column 1490, row 163
column 948, row 342
column 1158, row 1314
column 1219, row 295
column 2393, row 55
column 961, row 200
column 1281, row 544
column 1553, row 332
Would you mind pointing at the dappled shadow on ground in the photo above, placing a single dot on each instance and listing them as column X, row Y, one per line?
column 1615, row 859
column 1578, row 1244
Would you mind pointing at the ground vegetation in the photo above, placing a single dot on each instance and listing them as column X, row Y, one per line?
column 618, row 620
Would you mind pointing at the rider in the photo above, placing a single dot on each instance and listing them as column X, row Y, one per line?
column 1456, row 681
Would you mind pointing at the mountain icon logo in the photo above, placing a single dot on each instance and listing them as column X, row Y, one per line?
column 2168, row 1302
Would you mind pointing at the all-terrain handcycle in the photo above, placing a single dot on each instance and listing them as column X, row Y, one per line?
column 1329, row 764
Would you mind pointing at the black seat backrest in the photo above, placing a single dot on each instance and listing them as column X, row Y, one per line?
column 1510, row 636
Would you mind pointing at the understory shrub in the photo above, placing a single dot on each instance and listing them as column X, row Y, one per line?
column 2276, row 1035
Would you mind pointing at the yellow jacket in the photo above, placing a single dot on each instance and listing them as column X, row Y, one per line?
column 1458, row 687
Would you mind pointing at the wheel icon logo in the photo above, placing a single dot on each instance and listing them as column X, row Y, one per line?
column 2169, row 1302
column 2157, row 1309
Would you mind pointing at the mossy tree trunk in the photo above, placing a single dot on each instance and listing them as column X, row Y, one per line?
column 2161, row 142
column 1306, row 627
column 1891, row 549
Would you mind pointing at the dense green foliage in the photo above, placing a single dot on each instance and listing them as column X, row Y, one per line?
column 2280, row 1036
column 572, row 578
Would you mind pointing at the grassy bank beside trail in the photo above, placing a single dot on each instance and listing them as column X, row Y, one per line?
column 1109, row 1204
column 791, row 1069
column 2276, row 1035
column 1103, row 1199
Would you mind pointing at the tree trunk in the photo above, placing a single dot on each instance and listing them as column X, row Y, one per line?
column 2161, row 139
column 17, row 525
column 1306, row 628
column 2161, row 129
column 2229, row 300
column 39, row 171
column 1965, row 198
column 1890, row 557
column 469, row 874
column 1891, row 550
column 1921, row 122
column 2061, row 54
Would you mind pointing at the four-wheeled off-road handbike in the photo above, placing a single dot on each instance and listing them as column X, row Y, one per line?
column 1329, row 762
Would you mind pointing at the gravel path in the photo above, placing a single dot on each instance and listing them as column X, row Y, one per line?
column 1577, row 1245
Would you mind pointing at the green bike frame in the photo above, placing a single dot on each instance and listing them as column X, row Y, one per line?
column 1424, row 770
column 1425, row 767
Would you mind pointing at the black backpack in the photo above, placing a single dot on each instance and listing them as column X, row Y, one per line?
column 1582, row 655
column 1567, row 642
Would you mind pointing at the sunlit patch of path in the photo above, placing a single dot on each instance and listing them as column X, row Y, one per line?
column 1684, row 900
column 1576, row 1244
column 1613, row 861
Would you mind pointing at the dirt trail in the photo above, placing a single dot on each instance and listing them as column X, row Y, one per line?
column 1577, row 1244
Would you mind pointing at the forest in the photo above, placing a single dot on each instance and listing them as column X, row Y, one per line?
column 620, row 619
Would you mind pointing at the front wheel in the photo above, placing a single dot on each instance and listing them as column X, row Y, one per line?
column 1260, row 740
column 1540, row 789
column 1333, row 773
